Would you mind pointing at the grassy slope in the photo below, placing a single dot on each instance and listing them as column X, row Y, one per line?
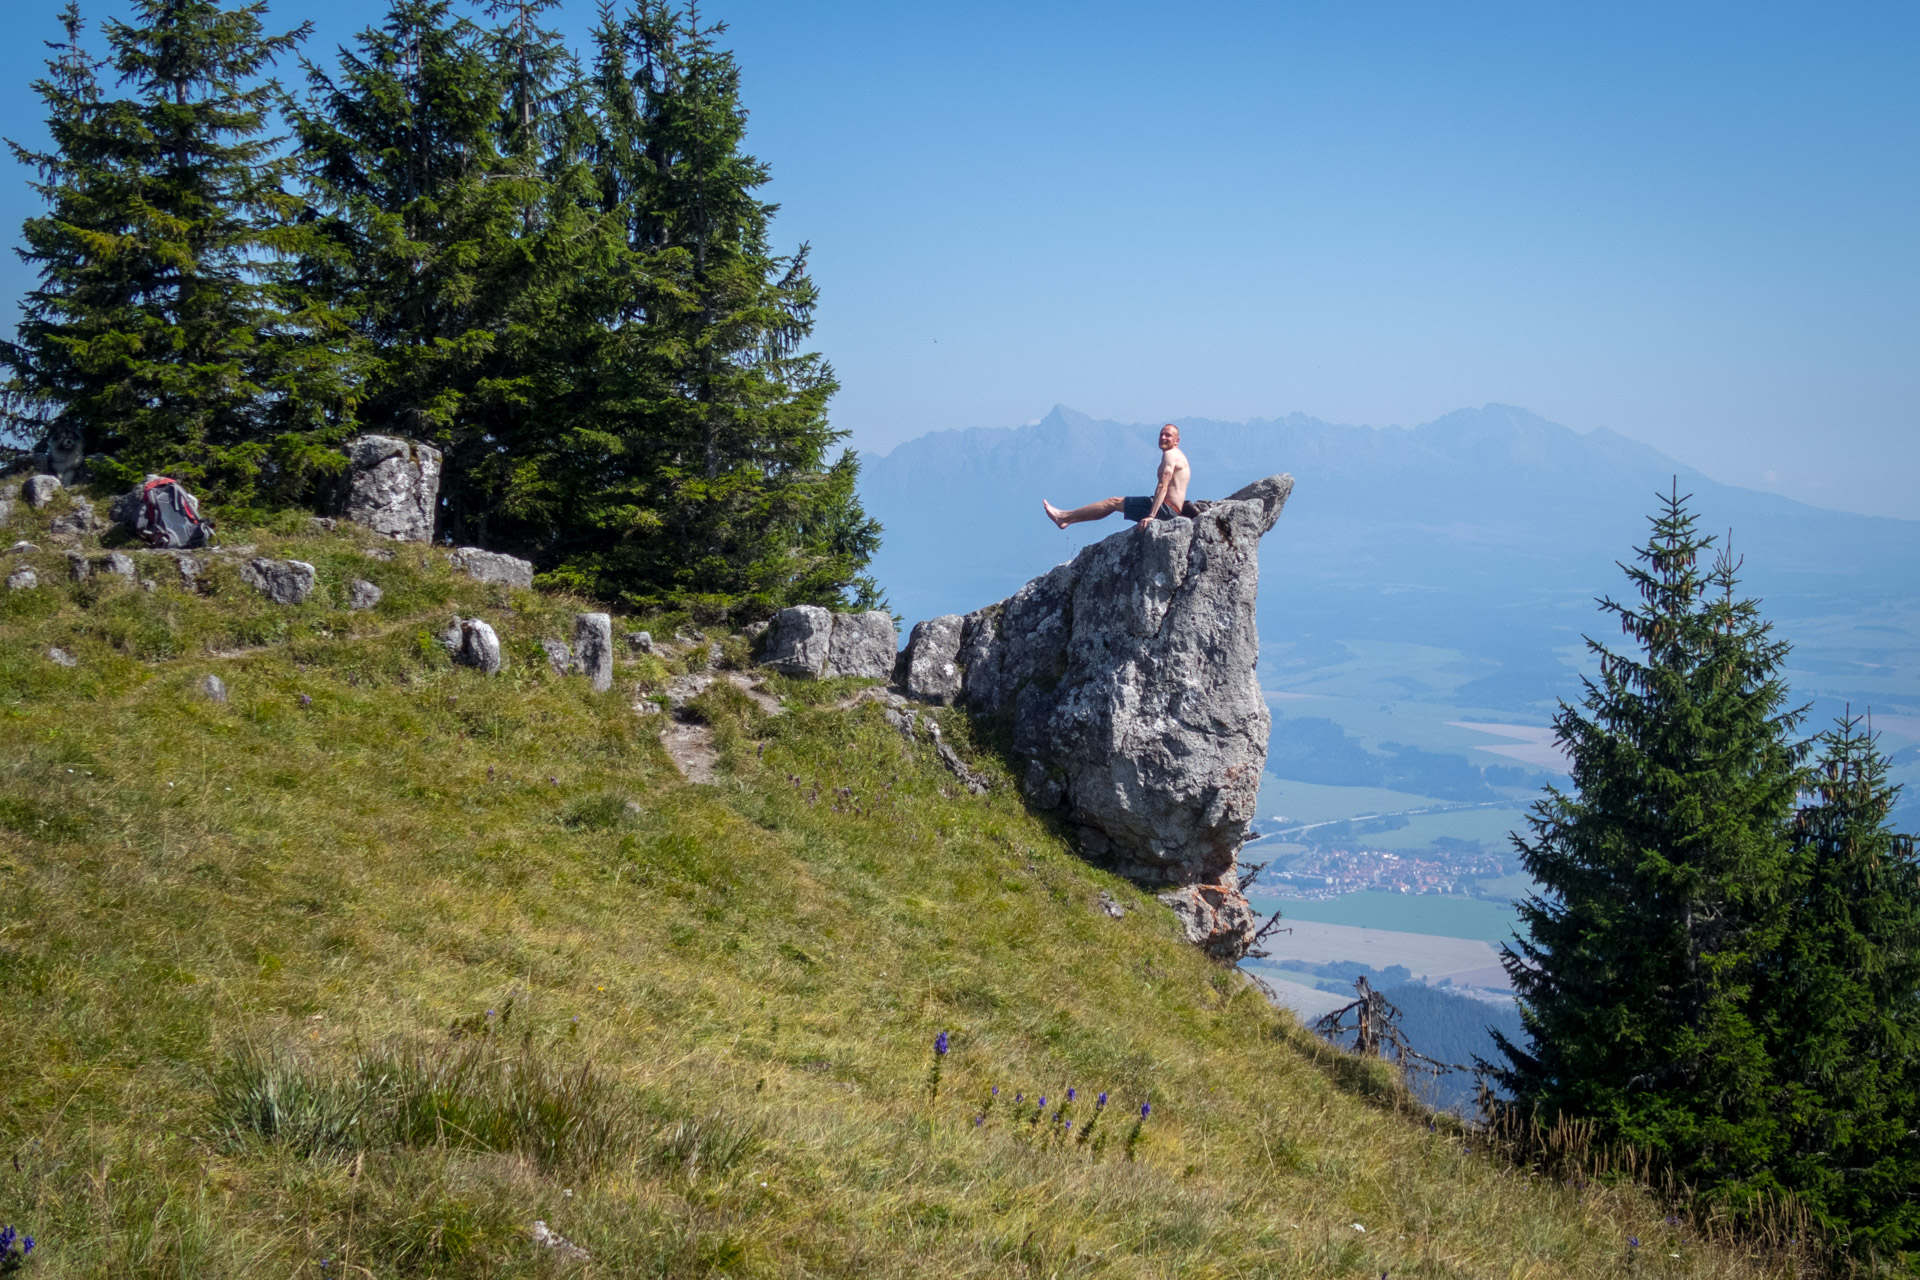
column 269, row 916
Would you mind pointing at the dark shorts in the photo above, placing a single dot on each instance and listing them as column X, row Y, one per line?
column 1137, row 508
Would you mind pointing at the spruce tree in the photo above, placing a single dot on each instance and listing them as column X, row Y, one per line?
column 1664, row 872
column 1842, row 999
column 425, row 162
column 697, row 466
column 167, row 323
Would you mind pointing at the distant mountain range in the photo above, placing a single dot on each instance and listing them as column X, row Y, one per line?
column 1488, row 532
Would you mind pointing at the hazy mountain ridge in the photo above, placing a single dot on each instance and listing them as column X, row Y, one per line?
column 1489, row 531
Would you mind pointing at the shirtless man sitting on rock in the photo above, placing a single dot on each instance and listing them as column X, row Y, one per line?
column 1169, row 498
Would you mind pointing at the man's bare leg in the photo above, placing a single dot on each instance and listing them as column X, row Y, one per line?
column 1079, row 515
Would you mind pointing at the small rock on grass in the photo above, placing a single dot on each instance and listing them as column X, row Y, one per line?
column 22, row 580
column 546, row 1235
column 40, row 490
column 362, row 594
column 492, row 566
column 640, row 641
column 62, row 658
column 78, row 566
column 121, row 563
column 213, row 688
column 559, row 657
column 593, row 649
column 281, row 581
column 473, row 644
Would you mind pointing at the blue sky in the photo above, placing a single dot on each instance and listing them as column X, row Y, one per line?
column 1694, row 224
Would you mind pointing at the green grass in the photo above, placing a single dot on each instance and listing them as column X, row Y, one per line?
column 367, row 969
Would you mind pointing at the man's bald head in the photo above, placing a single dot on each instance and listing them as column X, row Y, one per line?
column 1169, row 436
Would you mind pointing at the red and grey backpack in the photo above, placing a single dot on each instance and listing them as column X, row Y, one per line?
column 169, row 516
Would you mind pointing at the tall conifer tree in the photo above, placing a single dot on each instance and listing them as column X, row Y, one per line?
column 427, row 156
column 167, row 323
column 1842, row 1002
column 1663, row 875
column 700, row 463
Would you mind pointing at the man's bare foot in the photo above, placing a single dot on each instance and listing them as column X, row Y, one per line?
column 1054, row 513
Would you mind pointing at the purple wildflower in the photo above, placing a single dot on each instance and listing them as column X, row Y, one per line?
column 978, row 1121
column 1043, row 1102
column 1072, row 1093
column 1633, row 1242
column 1069, row 1126
column 1100, row 1101
column 306, row 699
column 996, row 1091
column 940, row 1044
column 1146, row 1109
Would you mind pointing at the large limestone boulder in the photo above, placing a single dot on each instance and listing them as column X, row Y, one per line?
column 862, row 644
column 39, row 490
column 393, row 487
column 798, row 641
column 1127, row 678
column 492, row 566
column 932, row 661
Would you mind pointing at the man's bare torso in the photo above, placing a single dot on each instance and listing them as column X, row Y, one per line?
column 1175, row 472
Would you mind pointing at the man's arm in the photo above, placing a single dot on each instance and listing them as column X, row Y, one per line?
column 1159, row 492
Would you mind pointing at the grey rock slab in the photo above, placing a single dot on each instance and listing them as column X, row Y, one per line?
column 79, row 568
column 799, row 640
column 39, row 490
column 1128, row 675
column 21, row 548
column 640, row 642
column 862, row 644
column 119, row 562
column 22, row 579
column 493, row 566
column 393, row 487
column 932, row 661
column 559, row 657
column 593, row 649
column 213, row 688
column 362, row 594
column 281, row 581
column 61, row 658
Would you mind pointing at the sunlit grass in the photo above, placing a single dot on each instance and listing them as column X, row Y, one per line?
column 381, row 961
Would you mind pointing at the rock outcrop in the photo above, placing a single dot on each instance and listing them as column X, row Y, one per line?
column 393, row 487
column 929, row 665
column 862, row 645
column 807, row 640
column 1126, row 677
column 39, row 490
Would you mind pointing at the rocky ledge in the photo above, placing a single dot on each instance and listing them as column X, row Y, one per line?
column 1126, row 680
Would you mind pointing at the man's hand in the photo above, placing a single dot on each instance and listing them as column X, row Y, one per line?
column 1146, row 522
